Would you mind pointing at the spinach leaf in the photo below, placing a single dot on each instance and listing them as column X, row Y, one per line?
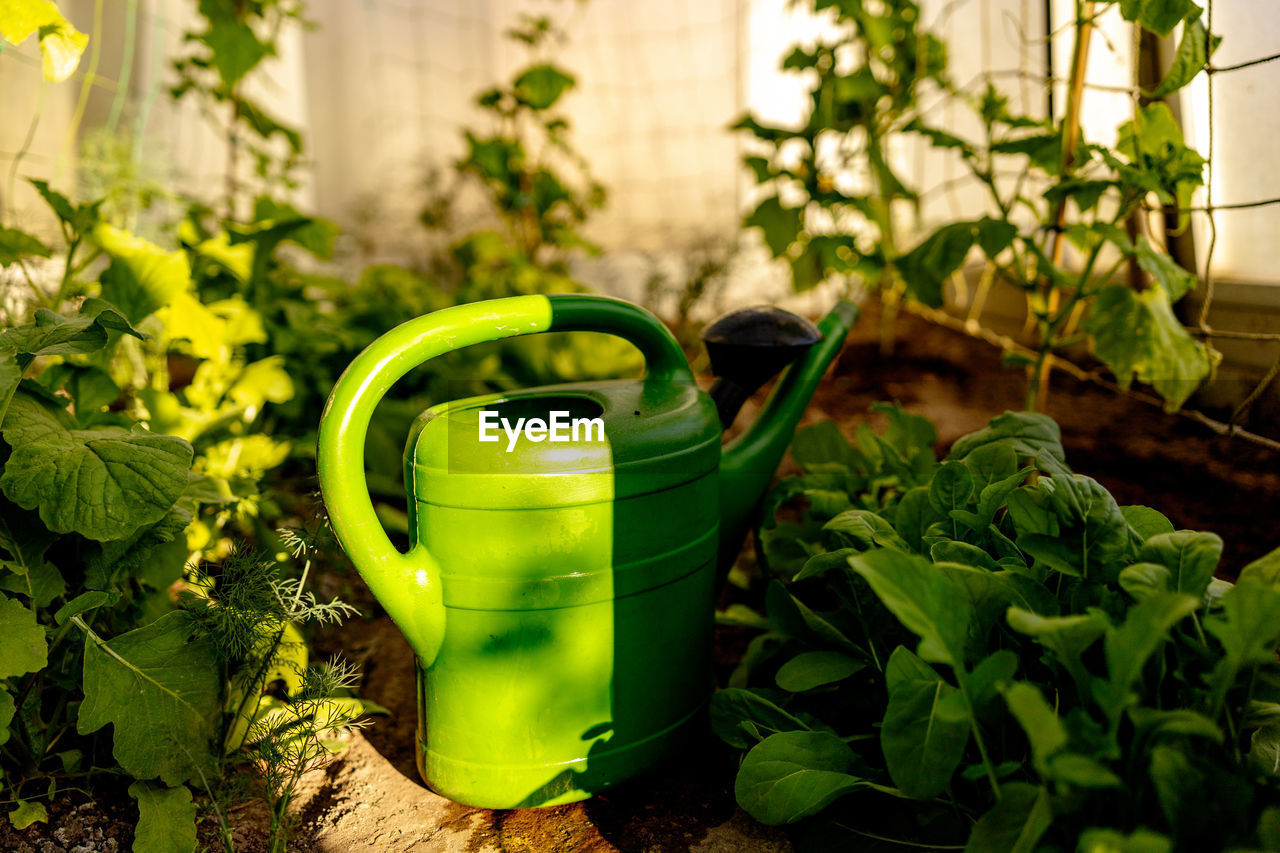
column 929, row 604
column 793, row 775
column 1016, row 823
column 925, row 728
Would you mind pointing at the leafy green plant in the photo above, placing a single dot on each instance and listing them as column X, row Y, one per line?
column 539, row 187
column 540, row 192
column 988, row 651
column 115, row 472
column 238, row 36
column 1047, row 187
column 834, row 199
column 91, row 521
column 1092, row 197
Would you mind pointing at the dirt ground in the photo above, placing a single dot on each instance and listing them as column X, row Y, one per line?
column 370, row 798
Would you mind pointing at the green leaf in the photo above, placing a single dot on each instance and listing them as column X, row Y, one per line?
column 780, row 225
column 911, row 435
column 26, row 540
column 792, row 618
column 142, row 277
column 91, row 388
column 83, row 602
column 761, row 131
column 793, row 775
column 61, row 45
column 926, row 268
column 234, row 47
column 266, row 125
column 735, row 706
column 23, row 647
column 102, row 483
column 760, row 168
column 1092, row 540
column 925, row 730
column 984, row 681
column 541, row 86
column 53, row 334
column 1158, row 16
column 27, row 813
column 1143, row 579
column 822, row 444
column 141, row 554
column 1178, row 722
column 1265, row 570
column 1066, row 636
column 1039, row 721
column 1128, row 647
column 40, row 581
column 820, row 564
column 926, row 601
column 1145, row 521
column 799, row 58
column 1248, row 627
column 159, row 686
column 1164, row 269
column 1194, row 49
column 940, row 138
column 1190, row 557
column 951, row 487
column 861, row 529
column 951, row 551
column 1086, row 194
column 62, row 208
column 1033, row 436
column 914, row 515
column 7, row 709
column 1082, row 771
column 314, row 234
column 1099, row 840
column 1137, row 334
column 1160, row 161
column 814, row 669
column 496, row 159
column 1015, row 823
column 166, row 819
column 15, row 244
column 1044, row 150
column 1177, row 782
column 991, row 464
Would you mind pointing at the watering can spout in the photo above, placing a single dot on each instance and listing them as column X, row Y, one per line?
column 748, row 462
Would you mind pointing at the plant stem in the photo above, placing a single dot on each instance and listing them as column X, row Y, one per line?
column 228, row 843
column 961, row 679
column 40, row 294
column 1038, row 393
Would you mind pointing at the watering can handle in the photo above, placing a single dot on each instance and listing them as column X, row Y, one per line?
column 408, row 584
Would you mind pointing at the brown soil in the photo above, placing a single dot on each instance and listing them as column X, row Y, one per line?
column 370, row 798
column 76, row 823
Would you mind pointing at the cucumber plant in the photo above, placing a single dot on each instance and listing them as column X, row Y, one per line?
column 1047, row 188
column 102, row 677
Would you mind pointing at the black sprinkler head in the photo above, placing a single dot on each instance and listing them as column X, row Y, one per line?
column 750, row 346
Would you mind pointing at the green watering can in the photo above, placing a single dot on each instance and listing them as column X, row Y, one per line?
column 559, row 588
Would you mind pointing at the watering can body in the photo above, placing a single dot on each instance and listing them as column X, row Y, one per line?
column 558, row 594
